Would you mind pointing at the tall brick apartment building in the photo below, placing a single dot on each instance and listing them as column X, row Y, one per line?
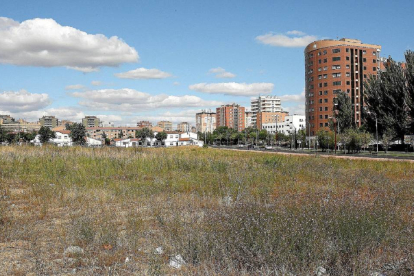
column 232, row 116
column 332, row 66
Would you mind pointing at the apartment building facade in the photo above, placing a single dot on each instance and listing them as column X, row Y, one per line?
column 49, row 121
column 288, row 125
column 269, row 117
column 183, row 127
column 91, row 121
column 6, row 119
column 205, row 121
column 231, row 115
column 111, row 132
column 143, row 124
column 332, row 66
column 166, row 125
column 265, row 104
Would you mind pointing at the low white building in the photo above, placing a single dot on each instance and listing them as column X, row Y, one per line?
column 182, row 139
column 62, row 138
column 127, row 142
column 93, row 142
column 291, row 124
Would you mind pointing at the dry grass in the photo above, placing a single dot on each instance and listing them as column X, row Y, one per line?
column 226, row 213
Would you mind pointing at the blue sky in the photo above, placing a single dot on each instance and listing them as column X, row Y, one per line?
column 132, row 60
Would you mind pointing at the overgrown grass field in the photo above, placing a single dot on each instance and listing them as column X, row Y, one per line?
column 224, row 212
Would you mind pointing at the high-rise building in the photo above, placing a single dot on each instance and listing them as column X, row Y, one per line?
column 183, row 127
column 166, row 125
column 332, row 66
column 231, row 115
column 91, row 121
column 205, row 121
column 49, row 121
column 143, row 124
column 248, row 119
column 265, row 104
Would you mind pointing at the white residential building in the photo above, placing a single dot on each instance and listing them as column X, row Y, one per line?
column 127, row 143
column 182, row 139
column 62, row 138
column 265, row 104
column 289, row 125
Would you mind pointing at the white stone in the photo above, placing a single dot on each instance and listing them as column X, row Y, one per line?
column 320, row 271
column 73, row 250
column 159, row 250
column 177, row 261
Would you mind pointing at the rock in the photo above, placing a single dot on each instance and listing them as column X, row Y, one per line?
column 320, row 271
column 376, row 274
column 227, row 200
column 73, row 250
column 159, row 250
column 127, row 260
column 177, row 261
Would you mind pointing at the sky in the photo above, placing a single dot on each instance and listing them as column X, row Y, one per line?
column 126, row 61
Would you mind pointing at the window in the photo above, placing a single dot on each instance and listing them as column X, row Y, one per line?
column 336, row 75
column 364, row 52
column 325, row 84
column 364, row 60
column 325, row 76
column 319, row 84
column 325, row 92
column 320, row 117
column 320, row 93
column 326, row 117
column 320, row 108
column 374, row 61
column 311, row 55
column 336, row 51
column 336, row 67
column 347, row 58
column 325, row 60
column 319, row 53
column 336, row 91
column 347, row 50
column 365, row 76
column 326, row 108
column 365, row 68
column 325, row 68
column 348, row 83
column 320, row 61
column 325, row 52
column 374, row 53
column 336, row 83
column 319, row 69
column 319, row 77
column 325, row 100
column 336, row 58
column 326, row 124
column 347, row 66
column 348, row 74
column 321, row 124
column 374, row 68
column 320, row 100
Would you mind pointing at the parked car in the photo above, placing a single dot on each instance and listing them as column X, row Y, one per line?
column 268, row 147
column 240, row 145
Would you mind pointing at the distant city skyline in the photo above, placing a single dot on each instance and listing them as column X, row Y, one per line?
column 137, row 60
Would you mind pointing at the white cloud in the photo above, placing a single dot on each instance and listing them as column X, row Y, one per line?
column 143, row 73
column 221, row 73
column 233, row 88
column 132, row 100
column 21, row 101
column 96, row 83
column 44, row 42
column 295, row 109
column 290, row 39
column 176, row 83
column 74, row 87
column 177, row 117
column 293, row 98
column 294, row 32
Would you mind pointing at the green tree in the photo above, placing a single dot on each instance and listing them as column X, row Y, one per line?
column 344, row 112
column 161, row 136
column 78, row 133
column 3, row 134
column 263, row 135
column 45, row 134
column 409, row 75
column 144, row 133
column 326, row 139
column 387, row 100
column 301, row 136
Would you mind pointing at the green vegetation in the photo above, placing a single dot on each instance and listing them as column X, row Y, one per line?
column 46, row 134
column 224, row 212
column 77, row 133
